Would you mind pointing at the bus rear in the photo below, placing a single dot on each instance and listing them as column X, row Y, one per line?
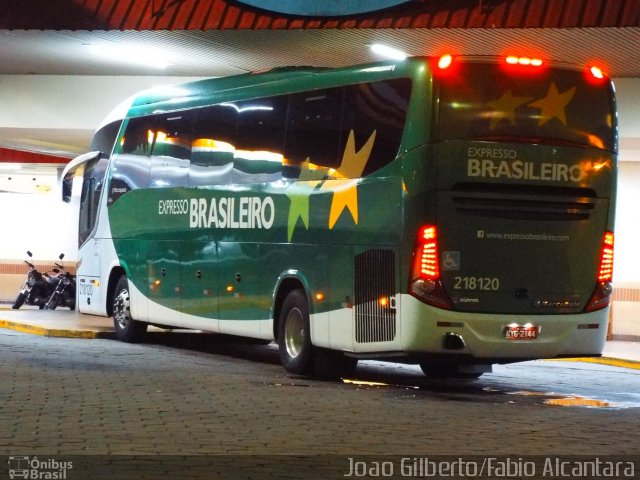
column 517, row 255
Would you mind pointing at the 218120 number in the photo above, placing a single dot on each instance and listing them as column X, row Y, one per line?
column 483, row 284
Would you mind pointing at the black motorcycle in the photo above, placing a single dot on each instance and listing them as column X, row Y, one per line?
column 38, row 287
column 64, row 293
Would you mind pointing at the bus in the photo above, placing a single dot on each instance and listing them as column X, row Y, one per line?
column 452, row 212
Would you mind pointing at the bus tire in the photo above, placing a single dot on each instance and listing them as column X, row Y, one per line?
column 127, row 329
column 294, row 333
column 443, row 371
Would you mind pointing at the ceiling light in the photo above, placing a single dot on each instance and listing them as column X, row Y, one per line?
column 389, row 52
column 10, row 166
column 145, row 56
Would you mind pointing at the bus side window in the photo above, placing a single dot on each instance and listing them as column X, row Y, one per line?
column 93, row 181
column 131, row 161
column 379, row 107
column 213, row 146
column 171, row 150
column 314, row 130
column 259, row 140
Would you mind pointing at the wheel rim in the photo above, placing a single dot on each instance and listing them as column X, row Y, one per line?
column 121, row 309
column 294, row 333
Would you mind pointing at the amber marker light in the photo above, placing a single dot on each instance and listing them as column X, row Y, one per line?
column 230, row 288
column 319, row 296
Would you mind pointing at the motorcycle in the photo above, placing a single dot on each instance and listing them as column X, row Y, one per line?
column 64, row 293
column 38, row 287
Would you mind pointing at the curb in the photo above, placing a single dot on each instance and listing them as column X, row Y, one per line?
column 51, row 332
column 612, row 362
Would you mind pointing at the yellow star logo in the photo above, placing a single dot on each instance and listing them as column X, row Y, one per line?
column 345, row 191
column 554, row 105
column 504, row 108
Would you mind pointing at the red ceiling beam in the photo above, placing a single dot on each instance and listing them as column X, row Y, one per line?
column 230, row 14
column 8, row 155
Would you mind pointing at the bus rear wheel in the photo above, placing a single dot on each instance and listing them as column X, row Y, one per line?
column 294, row 333
column 127, row 329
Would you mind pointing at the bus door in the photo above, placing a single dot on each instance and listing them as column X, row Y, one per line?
column 92, row 166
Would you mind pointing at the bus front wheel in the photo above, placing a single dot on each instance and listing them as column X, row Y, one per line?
column 127, row 329
column 294, row 334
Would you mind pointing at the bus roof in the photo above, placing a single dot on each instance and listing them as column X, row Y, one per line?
column 279, row 80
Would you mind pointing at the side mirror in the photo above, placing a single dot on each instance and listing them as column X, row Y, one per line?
column 61, row 256
column 29, row 253
column 67, row 186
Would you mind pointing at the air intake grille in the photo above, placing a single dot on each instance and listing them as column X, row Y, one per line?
column 529, row 202
column 375, row 296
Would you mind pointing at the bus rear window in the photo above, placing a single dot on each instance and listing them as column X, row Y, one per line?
column 484, row 101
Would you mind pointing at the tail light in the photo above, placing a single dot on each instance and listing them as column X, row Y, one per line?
column 425, row 281
column 602, row 295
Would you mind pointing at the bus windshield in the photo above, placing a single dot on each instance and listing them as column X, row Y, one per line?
column 498, row 102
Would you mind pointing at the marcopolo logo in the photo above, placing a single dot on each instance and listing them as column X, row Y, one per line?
column 38, row 469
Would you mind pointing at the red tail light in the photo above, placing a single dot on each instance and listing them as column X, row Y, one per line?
column 605, row 273
column 602, row 295
column 427, row 254
column 425, row 274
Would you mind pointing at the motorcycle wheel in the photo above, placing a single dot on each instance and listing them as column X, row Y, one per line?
column 52, row 303
column 19, row 300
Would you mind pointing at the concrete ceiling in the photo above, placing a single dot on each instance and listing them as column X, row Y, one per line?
column 228, row 52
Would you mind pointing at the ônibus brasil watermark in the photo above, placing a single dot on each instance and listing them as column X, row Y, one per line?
column 38, row 469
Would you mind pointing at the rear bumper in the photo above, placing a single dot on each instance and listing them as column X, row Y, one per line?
column 423, row 330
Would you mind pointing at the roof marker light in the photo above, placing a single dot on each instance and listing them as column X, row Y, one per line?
column 445, row 62
column 596, row 72
column 513, row 60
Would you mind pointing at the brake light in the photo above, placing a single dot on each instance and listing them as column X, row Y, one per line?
column 602, row 295
column 525, row 61
column 425, row 281
column 605, row 273
column 428, row 252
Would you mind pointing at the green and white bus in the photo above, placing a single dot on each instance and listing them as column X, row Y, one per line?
column 450, row 212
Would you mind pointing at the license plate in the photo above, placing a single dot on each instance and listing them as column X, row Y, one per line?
column 521, row 332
